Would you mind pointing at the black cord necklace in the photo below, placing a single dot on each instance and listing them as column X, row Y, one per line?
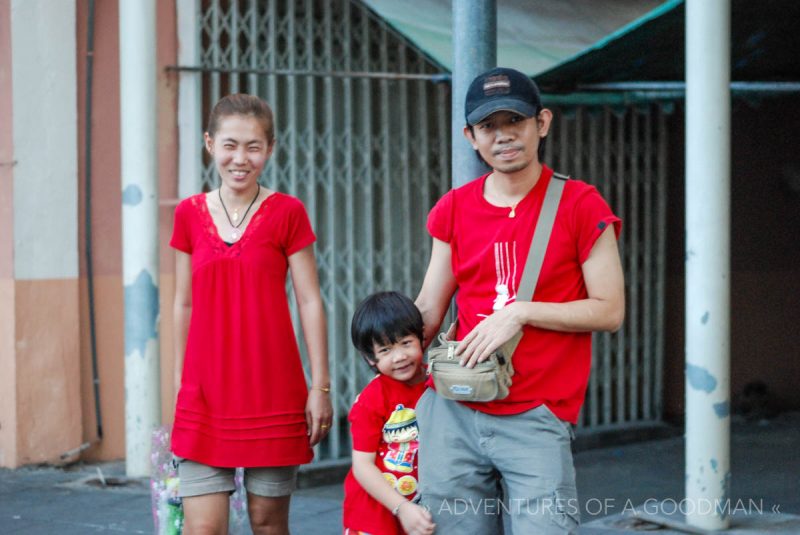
column 235, row 233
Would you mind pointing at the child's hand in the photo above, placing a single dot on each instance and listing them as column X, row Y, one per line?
column 415, row 519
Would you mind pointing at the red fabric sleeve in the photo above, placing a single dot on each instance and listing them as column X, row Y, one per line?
column 367, row 418
column 181, row 228
column 299, row 233
column 440, row 218
column 591, row 217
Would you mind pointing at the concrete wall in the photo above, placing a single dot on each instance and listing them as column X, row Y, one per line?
column 46, row 387
column 167, row 93
column 106, row 222
column 765, row 263
column 45, row 139
column 48, row 369
column 40, row 405
column 8, row 373
column 106, row 249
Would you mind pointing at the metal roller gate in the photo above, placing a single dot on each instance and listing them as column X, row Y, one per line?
column 622, row 150
column 362, row 121
column 367, row 154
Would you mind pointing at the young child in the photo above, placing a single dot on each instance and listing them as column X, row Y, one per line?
column 387, row 331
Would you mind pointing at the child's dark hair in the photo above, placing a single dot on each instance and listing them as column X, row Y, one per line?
column 384, row 317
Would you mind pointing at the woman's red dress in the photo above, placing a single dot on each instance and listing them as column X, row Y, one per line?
column 243, row 391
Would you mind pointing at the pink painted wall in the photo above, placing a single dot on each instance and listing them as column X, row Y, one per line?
column 8, row 397
column 48, row 370
column 106, row 219
column 167, row 54
column 106, row 232
column 40, row 414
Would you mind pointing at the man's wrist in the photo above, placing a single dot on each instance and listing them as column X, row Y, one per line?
column 520, row 312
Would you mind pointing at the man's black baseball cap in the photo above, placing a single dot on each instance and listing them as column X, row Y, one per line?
column 501, row 89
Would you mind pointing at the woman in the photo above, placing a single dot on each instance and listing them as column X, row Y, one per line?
column 242, row 398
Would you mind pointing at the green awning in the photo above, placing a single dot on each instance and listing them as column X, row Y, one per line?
column 765, row 43
column 532, row 35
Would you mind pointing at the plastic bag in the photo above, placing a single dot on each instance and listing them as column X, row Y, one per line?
column 166, row 505
column 164, row 484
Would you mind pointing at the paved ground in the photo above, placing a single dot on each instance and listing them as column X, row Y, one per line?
column 611, row 480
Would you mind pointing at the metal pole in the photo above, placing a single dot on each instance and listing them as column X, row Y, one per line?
column 474, row 51
column 678, row 87
column 138, row 137
column 707, row 263
column 315, row 73
column 190, row 124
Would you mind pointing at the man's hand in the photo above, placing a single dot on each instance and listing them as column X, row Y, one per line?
column 490, row 334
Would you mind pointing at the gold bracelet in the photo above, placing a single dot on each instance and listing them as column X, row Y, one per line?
column 326, row 389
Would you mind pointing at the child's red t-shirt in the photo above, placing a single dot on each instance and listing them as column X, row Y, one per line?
column 383, row 420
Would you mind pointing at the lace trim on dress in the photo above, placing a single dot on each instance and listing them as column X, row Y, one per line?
column 207, row 222
column 219, row 245
column 258, row 217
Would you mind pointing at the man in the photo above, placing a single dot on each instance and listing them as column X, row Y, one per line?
column 479, row 461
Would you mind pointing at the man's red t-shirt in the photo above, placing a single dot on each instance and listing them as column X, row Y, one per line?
column 489, row 250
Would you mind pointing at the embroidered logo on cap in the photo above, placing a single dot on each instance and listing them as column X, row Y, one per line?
column 496, row 85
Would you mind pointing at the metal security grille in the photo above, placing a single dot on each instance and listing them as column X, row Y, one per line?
column 367, row 154
column 623, row 151
column 362, row 120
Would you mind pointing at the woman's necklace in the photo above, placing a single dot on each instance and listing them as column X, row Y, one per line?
column 235, row 226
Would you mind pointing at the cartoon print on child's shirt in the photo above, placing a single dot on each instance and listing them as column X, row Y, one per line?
column 505, row 263
column 401, row 434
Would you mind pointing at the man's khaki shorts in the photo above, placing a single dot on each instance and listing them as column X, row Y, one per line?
column 198, row 479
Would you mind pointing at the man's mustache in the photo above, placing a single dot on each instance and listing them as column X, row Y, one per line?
column 507, row 147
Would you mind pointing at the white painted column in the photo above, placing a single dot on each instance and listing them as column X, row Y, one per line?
column 707, row 263
column 474, row 52
column 190, row 125
column 137, row 40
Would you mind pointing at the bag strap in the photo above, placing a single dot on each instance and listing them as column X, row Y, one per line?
column 541, row 236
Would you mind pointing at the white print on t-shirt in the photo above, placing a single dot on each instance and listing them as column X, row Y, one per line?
column 505, row 264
